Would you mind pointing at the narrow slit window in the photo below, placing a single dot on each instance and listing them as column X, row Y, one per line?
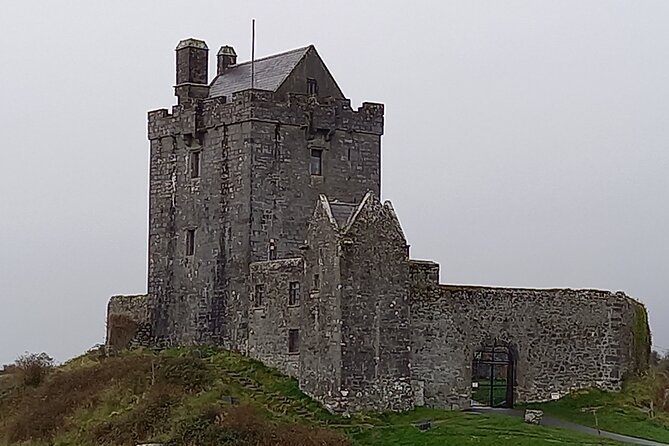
column 293, row 340
column 271, row 250
column 312, row 87
column 316, row 164
column 190, row 242
column 294, row 293
column 317, row 281
column 195, row 164
column 259, row 295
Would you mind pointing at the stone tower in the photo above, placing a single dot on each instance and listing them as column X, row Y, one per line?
column 235, row 173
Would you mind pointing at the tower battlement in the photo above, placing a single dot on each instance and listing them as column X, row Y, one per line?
column 297, row 109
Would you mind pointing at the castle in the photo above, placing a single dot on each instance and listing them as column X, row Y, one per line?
column 267, row 236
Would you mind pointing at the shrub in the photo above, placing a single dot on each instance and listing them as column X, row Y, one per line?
column 187, row 372
column 43, row 411
column 243, row 425
column 34, row 367
column 148, row 418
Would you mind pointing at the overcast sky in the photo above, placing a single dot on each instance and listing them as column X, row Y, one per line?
column 526, row 144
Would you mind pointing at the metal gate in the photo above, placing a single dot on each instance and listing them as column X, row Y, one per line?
column 492, row 376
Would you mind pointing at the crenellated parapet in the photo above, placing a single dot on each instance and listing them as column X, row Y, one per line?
column 257, row 105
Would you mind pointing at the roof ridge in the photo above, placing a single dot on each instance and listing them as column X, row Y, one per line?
column 294, row 50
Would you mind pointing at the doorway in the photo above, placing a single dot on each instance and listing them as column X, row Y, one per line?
column 492, row 376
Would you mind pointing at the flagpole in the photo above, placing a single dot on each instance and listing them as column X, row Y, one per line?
column 253, row 53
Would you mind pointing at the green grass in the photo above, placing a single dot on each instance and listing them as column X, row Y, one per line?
column 481, row 394
column 627, row 412
column 182, row 397
column 459, row 428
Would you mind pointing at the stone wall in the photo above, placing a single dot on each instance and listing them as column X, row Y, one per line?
column 356, row 323
column 376, row 335
column 271, row 320
column 560, row 339
column 320, row 356
column 312, row 66
column 127, row 321
column 254, row 191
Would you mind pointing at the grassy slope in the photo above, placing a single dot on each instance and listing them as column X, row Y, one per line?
column 627, row 412
column 460, row 428
column 179, row 397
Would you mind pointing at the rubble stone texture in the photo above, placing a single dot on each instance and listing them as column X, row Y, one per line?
column 533, row 416
column 255, row 190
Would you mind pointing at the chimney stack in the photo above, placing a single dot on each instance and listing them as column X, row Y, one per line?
column 226, row 58
column 192, row 70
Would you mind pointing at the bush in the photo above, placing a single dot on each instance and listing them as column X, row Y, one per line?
column 146, row 419
column 187, row 372
column 244, row 426
column 43, row 411
column 34, row 367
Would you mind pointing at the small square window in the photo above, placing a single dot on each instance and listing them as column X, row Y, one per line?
column 317, row 281
column 294, row 293
column 259, row 295
column 316, row 164
column 195, row 164
column 293, row 340
column 190, row 242
column 312, row 87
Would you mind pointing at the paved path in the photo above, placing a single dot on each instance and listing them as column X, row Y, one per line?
column 554, row 422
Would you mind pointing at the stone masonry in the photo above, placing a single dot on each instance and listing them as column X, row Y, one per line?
column 267, row 236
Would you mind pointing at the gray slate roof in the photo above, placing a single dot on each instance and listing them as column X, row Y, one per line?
column 270, row 72
column 342, row 212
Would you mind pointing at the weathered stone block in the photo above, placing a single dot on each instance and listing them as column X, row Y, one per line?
column 533, row 416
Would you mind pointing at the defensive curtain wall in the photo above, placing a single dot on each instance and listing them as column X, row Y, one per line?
column 558, row 340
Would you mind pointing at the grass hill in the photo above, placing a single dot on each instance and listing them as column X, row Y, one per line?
column 211, row 397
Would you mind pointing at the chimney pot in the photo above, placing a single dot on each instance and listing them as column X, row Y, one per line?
column 227, row 57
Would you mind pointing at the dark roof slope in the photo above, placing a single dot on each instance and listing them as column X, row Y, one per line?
column 270, row 72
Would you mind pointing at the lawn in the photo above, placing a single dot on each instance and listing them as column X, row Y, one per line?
column 458, row 428
column 629, row 412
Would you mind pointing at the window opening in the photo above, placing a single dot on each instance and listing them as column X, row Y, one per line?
column 312, row 87
column 293, row 340
column 195, row 164
column 316, row 164
column 190, row 242
column 271, row 250
column 294, row 293
column 259, row 295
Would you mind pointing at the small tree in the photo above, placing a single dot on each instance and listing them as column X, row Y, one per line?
column 34, row 367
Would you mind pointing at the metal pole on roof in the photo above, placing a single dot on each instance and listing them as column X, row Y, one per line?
column 253, row 53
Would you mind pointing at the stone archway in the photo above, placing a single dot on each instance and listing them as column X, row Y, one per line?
column 493, row 376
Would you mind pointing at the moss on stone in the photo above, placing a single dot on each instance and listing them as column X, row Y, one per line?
column 641, row 339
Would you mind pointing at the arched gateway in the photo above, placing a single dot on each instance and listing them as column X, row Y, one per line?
column 493, row 376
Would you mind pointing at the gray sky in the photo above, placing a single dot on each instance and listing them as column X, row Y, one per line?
column 527, row 142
